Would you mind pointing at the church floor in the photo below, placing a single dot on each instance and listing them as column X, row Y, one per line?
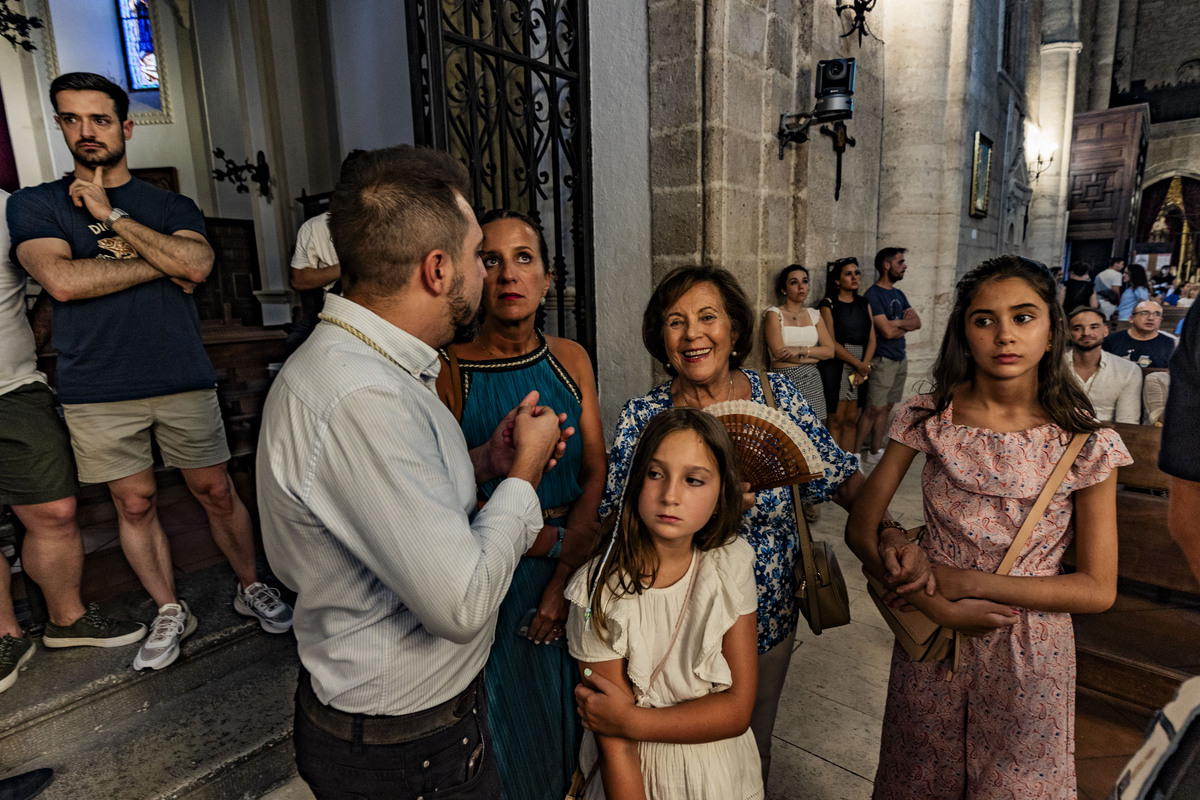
column 827, row 734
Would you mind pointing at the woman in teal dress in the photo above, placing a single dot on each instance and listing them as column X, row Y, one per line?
column 530, row 676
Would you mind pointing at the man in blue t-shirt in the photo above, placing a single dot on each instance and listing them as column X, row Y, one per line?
column 893, row 318
column 1143, row 343
column 120, row 259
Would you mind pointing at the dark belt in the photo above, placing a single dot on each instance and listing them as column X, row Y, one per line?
column 385, row 729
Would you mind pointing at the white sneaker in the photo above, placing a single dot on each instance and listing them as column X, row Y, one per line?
column 871, row 457
column 173, row 624
column 263, row 603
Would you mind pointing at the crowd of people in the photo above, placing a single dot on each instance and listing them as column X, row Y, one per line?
column 488, row 603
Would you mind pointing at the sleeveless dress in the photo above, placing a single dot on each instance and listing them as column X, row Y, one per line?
column 639, row 629
column 530, row 687
column 804, row 377
column 1005, row 725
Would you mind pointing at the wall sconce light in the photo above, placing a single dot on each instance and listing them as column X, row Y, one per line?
column 1042, row 156
column 859, row 23
column 240, row 174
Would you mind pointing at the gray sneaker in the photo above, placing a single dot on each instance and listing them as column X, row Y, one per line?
column 263, row 603
column 173, row 624
column 14, row 653
column 94, row 629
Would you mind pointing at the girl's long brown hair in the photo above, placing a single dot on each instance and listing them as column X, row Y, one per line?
column 631, row 555
column 1059, row 393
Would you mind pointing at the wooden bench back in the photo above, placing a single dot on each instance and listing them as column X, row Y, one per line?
column 1146, row 551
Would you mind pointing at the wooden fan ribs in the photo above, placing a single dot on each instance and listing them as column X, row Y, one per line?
column 772, row 451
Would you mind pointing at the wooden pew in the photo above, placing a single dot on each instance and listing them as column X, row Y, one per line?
column 1142, row 648
column 1147, row 552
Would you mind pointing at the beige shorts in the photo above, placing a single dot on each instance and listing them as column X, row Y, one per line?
column 886, row 386
column 112, row 440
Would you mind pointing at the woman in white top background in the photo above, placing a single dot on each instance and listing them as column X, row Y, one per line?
column 797, row 338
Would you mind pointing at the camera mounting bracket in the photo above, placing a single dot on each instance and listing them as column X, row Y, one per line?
column 793, row 127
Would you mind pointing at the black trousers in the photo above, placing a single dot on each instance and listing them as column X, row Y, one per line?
column 456, row 763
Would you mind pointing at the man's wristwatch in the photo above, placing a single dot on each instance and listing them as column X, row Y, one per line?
column 887, row 524
column 115, row 215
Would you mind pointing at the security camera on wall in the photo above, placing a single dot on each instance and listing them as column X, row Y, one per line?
column 835, row 90
column 835, row 101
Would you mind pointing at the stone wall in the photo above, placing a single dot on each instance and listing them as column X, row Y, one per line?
column 927, row 146
column 621, row 199
column 721, row 74
column 829, row 229
column 1174, row 150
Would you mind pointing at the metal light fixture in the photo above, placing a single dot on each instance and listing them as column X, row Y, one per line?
column 240, row 174
column 1040, row 152
column 859, row 23
column 15, row 26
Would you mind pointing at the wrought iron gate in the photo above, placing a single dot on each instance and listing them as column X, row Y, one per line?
column 502, row 85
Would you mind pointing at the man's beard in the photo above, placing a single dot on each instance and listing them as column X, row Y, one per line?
column 465, row 320
column 894, row 276
column 1086, row 348
column 106, row 158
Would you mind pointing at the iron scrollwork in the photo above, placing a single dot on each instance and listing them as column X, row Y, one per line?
column 502, row 85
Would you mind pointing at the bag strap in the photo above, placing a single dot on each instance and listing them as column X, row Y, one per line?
column 579, row 782
column 1039, row 507
column 687, row 598
column 455, row 399
column 807, row 562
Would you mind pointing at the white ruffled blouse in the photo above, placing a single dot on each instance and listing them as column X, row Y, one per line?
column 639, row 629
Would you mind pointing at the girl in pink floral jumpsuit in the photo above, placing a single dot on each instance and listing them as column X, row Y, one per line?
column 1001, row 414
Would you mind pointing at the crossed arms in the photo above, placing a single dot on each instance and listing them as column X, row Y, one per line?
column 183, row 256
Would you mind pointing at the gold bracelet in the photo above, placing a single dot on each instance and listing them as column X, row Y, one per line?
column 888, row 523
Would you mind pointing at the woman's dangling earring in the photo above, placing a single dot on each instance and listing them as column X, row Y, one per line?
column 542, row 302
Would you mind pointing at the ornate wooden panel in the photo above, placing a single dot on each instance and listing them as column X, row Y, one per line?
column 1108, row 154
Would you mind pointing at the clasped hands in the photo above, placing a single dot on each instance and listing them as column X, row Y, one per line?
column 907, row 569
column 529, row 434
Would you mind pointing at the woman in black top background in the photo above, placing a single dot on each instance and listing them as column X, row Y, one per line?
column 848, row 316
column 1079, row 290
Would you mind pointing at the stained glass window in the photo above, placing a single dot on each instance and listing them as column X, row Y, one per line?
column 141, row 64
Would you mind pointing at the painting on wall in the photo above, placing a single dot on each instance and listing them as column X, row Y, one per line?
column 981, row 175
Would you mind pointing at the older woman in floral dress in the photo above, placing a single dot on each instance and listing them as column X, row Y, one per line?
column 700, row 325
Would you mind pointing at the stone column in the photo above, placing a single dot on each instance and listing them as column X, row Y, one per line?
column 1103, row 44
column 1056, row 111
column 927, row 143
column 721, row 72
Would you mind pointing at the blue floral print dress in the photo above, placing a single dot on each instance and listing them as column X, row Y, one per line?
column 769, row 527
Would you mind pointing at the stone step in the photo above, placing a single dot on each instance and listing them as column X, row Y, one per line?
column 228, row 738
column 220, row 716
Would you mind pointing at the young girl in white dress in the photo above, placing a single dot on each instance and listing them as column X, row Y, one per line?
column 663, row 627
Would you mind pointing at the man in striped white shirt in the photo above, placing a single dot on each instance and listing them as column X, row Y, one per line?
column 367, row 496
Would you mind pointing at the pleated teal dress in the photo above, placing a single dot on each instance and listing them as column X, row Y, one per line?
column 530, row 687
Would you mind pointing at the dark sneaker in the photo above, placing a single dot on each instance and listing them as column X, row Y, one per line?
column 262, row 602
column 27, row 785
column 173, row 624
column 13, row 653
column 94, row 629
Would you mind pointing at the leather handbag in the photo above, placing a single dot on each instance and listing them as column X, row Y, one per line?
column 820, row 584
column 922, row 638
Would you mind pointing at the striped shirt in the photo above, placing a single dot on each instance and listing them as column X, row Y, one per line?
column 367, row 497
